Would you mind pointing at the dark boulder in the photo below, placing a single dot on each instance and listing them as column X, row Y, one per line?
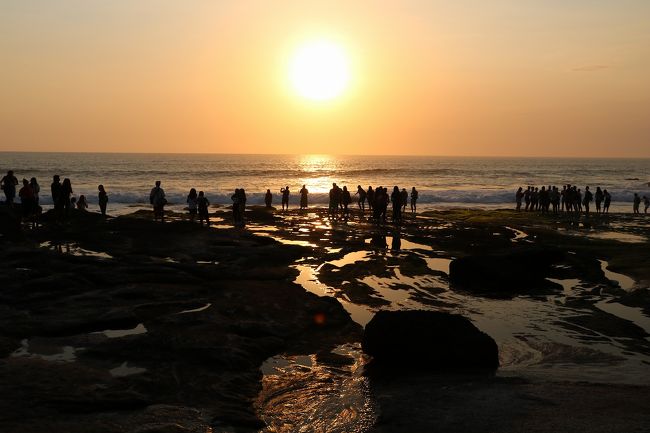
column 428, row 339
column 506, row 272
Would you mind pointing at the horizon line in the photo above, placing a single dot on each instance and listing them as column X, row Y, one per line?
column 329, row 154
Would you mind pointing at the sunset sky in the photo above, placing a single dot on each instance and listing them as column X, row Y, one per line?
column 468, row 77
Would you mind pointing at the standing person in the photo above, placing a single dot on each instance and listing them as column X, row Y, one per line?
column 334, row 199
column 158, row 201
column 236, row 208
column 587, row 199
column 192, row 204
column 242, row 203
column 55, row 188
column 345, row 201
column 608, row 200
column 268, row 198
column 636, row 203
column 285, row 197
column 519, row 195
column 396, row 198
column 36, row 189
column 8, row 184
column 66, row 193
column 404, row 199
column 303, row 197
column 203, row 203
column 527, row 198
column 362, row 198
column 414, row 199
column 27, row 201
column 103, row 199
column 598, row 198
column 370, row 196
column 646, row 203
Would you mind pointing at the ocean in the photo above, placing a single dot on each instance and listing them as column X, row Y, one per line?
column 442, row 182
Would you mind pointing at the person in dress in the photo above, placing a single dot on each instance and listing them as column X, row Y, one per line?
column 103, row 199
column 192, row 204
column 303, row 197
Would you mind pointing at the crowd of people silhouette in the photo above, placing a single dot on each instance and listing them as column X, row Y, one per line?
column 569, row 199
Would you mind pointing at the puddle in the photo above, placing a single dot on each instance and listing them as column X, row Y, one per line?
column 74, row 250
column 438, row 264
column 287, row 241
column 196, row 310
column 118, row 333
column 634, row 315
column 206, row 262
column 125, row 370
column 619, row 236
column 43, row 350
column 519, row 235
column 624, row 282
column 350, row 258
column 301, row 394
column 403, row 244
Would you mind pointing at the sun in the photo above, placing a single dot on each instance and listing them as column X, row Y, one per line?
column 319, row 70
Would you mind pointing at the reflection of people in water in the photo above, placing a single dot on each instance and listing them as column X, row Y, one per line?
column 378, row 240
column 303, row 197
column 396, row 243
column 268, row 198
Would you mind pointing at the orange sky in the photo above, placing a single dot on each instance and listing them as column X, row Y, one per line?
column 506, row 77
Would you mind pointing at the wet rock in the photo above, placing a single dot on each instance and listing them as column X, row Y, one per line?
column 506, row 272
column 428, row 340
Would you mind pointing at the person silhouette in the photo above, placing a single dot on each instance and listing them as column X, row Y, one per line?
column 607, row 200
column 598, row 198
column 396, row 198
column 370, row 196
column 636, row 203
column 646, row 204
column 346, row 200
column 203, row 204
column 192, row 204
column 404, row 198
column 82, row 204
column 36, row 189
column 303, row 197
column 268, row 198
column 102, row 198
column 285, row 197
column 158, row 201
column 414, row 199
column 8, row 183
column 66, row 193
column 27, row 201
column 362, row 198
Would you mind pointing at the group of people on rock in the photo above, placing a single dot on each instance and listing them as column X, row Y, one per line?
column 569, row 199
column 377, row 200
column 62, row 195
column 198, row 203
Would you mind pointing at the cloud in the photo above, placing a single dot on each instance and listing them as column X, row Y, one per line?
column 590, row 68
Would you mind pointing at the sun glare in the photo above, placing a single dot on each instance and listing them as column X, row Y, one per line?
column 319, row 70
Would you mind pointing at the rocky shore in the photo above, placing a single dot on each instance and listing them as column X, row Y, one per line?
column 126, row 325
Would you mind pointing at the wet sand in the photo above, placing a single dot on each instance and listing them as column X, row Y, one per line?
column 130, row 325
